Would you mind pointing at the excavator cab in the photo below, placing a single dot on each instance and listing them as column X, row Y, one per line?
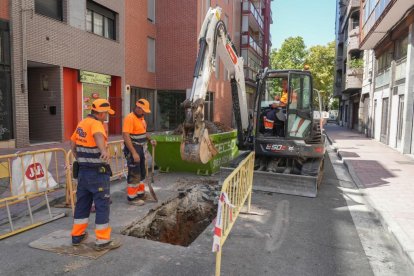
column 285, row 104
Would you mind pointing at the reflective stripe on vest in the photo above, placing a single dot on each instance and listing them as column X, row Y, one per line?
column 88, row 156
column 138, row 139
column 268, row 124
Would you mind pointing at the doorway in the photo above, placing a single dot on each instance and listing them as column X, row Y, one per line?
column 45, row 117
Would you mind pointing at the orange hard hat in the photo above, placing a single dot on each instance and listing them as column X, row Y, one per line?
column 144, row 105
column 102, row 105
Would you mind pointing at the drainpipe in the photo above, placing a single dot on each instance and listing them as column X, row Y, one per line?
column 24, row 51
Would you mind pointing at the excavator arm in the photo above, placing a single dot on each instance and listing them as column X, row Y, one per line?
column 196, row 146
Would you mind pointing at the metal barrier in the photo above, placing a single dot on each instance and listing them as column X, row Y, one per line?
column 236, row 189
column 117, row 163
column 25, row 178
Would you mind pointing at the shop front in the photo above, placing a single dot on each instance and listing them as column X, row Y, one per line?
column 81, row 88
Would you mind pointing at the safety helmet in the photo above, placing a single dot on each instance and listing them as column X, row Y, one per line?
column 144, row 105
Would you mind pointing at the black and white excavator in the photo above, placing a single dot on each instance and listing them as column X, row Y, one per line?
column 287, row 137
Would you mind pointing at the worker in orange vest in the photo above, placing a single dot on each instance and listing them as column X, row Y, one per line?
column 135, row 136
column 89, row 146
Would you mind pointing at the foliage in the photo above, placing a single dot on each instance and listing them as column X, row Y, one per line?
column 356, row 63
column 334, row 104
column 291, row 54
column 321, row 60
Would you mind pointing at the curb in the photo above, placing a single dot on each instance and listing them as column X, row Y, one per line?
column 403, row 240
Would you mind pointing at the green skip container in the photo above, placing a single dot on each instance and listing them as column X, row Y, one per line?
column 168, row 157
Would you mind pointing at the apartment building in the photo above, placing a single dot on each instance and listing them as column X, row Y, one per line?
column 349, row 65
column 162, row 67
column 255, row 41
column 6, row 118
column 64, row 55
column 387, row 27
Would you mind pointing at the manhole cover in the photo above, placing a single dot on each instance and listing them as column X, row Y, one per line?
column 180, row 220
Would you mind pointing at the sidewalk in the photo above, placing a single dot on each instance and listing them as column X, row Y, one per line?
column 384, row 176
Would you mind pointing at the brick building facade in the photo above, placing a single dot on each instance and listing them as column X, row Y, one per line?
column 65, row 53
column 54, row 42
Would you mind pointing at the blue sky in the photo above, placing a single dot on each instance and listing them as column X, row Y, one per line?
column 314, row 20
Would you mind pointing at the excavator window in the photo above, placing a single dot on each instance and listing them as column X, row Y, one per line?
column 299, row 108
column 272, row 108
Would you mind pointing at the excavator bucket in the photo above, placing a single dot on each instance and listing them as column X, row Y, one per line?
column 200, row 152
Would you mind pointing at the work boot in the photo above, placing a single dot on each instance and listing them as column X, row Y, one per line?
column 135, row 201
column 77, row 240
column 143, row 196
column 109, row 245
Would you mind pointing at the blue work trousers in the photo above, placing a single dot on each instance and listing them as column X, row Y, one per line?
column 92, row 187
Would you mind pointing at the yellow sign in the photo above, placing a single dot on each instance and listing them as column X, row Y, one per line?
column 95, row 78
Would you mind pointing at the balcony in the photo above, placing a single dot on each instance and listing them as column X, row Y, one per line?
column 382, row 18
column 383, row 78
column 353, row 42
column 252, row 64
column 340, row 37
column 339, row 62
column 271, row 17
column 400, row 69
column 353, row 79
column 255, row 20
column 248, row 41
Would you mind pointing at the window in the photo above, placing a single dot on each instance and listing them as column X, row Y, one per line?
column 384, row 61
column 401, row 47
column 226, row 22
column 149, row 94
column 151, row 55
column 49, row 8
column 170, row 114
column 4, row 44
column 1, row 49
column 209, row 107
column 100, row 20
column 151, row 10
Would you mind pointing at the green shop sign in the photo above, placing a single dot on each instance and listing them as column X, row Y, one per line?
column 95, row 78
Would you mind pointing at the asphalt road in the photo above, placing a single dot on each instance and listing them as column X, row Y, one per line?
column 333, row 234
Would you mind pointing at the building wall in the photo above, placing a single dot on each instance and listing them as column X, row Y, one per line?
column 138, row 28
column 223, row 104
column 4, row 9
column 44, row 40
column 176, row 44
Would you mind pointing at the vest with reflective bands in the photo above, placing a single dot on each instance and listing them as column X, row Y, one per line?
column 137, row 129
column 88, row 154
column 284, row 98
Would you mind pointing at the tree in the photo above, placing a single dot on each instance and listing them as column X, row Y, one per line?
column 321, row 60
column 291, row 54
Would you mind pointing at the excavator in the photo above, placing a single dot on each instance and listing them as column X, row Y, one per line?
column 287, row 139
